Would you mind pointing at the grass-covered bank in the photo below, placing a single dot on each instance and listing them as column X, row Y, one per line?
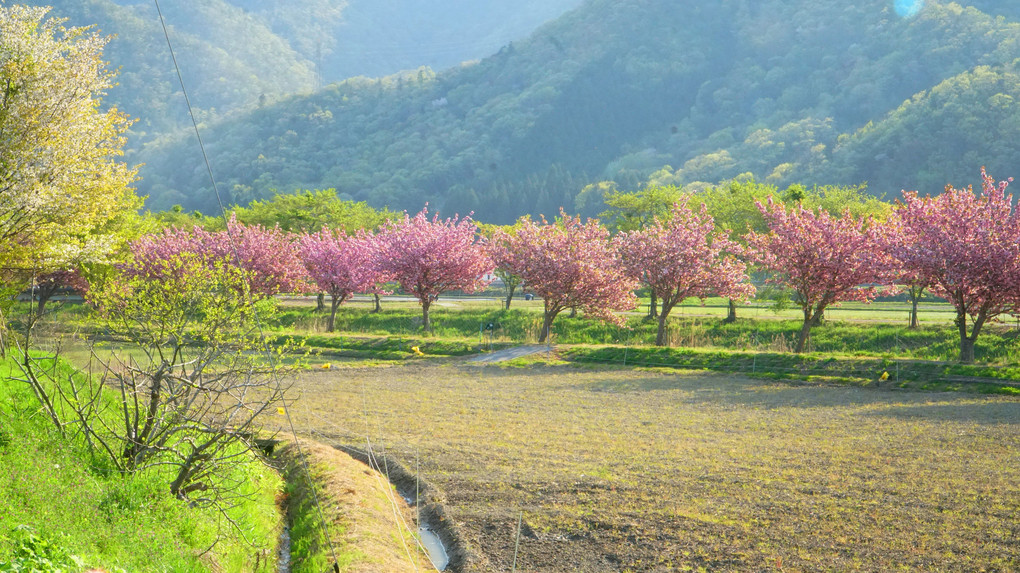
column 853, row 370
column 462, row 326
column 60, row 504
column 366, row 519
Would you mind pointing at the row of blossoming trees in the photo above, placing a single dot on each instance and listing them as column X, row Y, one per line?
column 962, row 246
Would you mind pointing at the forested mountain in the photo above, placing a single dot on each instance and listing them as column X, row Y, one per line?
column 239, row 54
column 786, row 90
column 379, row 37
column 233, row 59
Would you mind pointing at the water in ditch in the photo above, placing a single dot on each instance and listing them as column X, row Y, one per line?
column 283, row 559
column 429, row 538
column 434, row 547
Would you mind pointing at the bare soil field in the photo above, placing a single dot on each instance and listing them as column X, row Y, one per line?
column 616, row 469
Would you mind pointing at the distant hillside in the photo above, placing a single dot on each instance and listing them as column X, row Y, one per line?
column 789, row 91
column 380, row 37
column 240, row 54
column 231, row 59
column 942, row 135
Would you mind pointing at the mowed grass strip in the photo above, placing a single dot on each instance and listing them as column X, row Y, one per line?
column 624, row 470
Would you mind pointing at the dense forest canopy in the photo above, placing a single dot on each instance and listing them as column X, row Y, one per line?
column 240, row 54
column 790, row 92
column 892, row 93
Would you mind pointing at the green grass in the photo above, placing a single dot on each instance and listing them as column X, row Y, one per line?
column 387, row 348
column 461, row 330
column 844, row 369
column 75, row 505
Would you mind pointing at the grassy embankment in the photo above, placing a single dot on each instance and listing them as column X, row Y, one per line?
column 843, row 349
column 64, row 509
column 59, row 503
column 636, row 470
column 370, row 527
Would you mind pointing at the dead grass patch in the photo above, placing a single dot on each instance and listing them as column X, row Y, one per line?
column 636, row 471
column 361, row 510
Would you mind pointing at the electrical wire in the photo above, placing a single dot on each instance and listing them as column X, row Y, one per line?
column 237, row 258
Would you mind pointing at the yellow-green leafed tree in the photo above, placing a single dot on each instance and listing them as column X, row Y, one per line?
column 61, row 179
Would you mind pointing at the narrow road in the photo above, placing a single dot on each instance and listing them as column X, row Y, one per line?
column 509, row 353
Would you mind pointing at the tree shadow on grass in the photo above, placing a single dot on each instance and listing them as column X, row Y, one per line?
column 988, row 411
column 718, row 388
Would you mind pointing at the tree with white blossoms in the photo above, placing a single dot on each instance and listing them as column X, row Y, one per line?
column 61, row 181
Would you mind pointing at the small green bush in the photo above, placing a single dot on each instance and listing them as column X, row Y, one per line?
column 34, row 554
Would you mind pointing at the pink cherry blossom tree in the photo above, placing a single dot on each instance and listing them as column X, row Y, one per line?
column 431, row 256
column 823, row 259
column 969, row 248
column 47, row 285
column 498, row 252
column 681, row 257
column 341, row 265
column 268, row 257
column 913, row 281
column 569, row 265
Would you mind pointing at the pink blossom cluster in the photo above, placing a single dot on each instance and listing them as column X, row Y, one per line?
column 964, row 247
column 268, row 257
column 682, row 257
column 823, row 259
column 569, row 265
column 341, row 265
column 431, row 256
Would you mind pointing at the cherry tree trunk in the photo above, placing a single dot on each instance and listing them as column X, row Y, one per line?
column 333, row 306
column 805, row 331
column 967, row 342
column 426, row 321
column 378, row 307
column 546, row 326
column 45, row 293
column 966, row 350
column 731, row 312
column 509, row 296
column 660, row 336
column 818, row 318
column 914, row 292
column 320, row 303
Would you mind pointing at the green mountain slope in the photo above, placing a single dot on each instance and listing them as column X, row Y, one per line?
column 617, row 90
column 379, row 37
column 232, row 59
column 239, row 54
column 942, row 135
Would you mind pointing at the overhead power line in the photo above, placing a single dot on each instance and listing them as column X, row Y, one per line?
column 237, row 258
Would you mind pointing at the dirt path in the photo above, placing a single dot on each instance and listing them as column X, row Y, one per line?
column 510, row 353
